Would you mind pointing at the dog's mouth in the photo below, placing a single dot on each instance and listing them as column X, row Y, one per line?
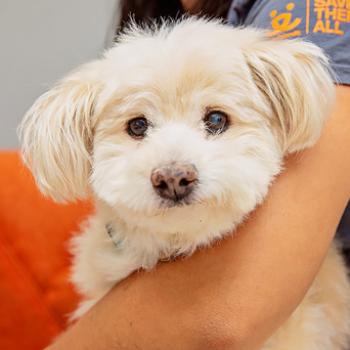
column 177, row 202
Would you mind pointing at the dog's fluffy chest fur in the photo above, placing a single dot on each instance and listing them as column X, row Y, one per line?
column 107, row 234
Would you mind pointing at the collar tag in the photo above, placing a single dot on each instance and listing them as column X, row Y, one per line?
column 112, row 235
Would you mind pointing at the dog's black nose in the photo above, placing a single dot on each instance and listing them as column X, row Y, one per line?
column 174, row 181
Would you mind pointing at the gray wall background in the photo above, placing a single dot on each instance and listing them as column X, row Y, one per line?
column 41, row 40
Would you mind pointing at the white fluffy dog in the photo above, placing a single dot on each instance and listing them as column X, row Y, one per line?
column 177, row 133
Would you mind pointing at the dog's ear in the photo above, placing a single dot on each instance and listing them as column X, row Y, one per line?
column 57, row 132
column 293, row 77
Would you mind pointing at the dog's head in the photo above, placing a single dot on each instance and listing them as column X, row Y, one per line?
column 191, row 115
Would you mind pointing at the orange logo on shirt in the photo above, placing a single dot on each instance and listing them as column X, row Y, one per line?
column 284, row 23
column 329, row 16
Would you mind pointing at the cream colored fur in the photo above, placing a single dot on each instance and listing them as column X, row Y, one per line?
column 277, row 95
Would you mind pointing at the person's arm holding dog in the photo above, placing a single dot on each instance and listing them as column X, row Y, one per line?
column 235, row 295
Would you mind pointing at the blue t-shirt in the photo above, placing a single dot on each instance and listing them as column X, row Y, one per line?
column 326, row 23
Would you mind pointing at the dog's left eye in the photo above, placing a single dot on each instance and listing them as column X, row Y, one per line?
column 137, row 127
column 216, row 122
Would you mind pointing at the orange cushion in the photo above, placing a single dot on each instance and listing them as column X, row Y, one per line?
column 35, row 295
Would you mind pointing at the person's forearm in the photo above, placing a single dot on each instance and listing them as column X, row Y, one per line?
column 234, row 295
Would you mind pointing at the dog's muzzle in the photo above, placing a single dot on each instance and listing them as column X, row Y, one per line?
column 174, row 181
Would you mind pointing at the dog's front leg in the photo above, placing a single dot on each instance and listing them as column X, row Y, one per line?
column 101, row 261
column 107, row 268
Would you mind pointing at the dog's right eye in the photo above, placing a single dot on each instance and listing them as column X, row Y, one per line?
column 216, row 122
column 137, row 127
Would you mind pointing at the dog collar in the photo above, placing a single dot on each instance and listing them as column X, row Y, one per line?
column 118, row 242
column 112, row 235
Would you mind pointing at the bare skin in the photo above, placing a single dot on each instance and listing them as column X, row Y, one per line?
column 189, row 5
column 236, row 294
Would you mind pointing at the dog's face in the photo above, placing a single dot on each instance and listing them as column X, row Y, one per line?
column 189, row 120
column 181, row 132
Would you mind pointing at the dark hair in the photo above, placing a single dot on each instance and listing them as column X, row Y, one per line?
column 143, row 11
